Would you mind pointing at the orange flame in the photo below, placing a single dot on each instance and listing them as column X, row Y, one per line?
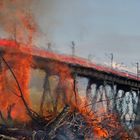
column 9, row 92
column 17, row 20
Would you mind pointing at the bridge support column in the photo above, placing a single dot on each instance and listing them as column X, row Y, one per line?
column 88, row 90
column 126, row 106
column 50, row 95
column 46, row 90
column 138, row 109
column 75, row 88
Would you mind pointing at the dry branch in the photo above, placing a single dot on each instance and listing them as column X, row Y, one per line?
column 3, row 137
column 56, row 123
column 15, row 132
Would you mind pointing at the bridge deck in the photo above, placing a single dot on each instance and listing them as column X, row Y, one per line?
column 11, row 46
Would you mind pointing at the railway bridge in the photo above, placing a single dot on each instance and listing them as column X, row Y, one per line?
column 111, row 89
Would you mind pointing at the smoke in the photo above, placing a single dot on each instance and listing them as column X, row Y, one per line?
column 17, row 20
column 56, row 19
column 62, row 21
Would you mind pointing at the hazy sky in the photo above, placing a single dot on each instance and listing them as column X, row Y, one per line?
column 96, row 26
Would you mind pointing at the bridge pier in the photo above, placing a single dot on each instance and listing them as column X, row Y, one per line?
column 46, row 92
column 52, row 90
column 126, row 106
column 137, row 110
column 88, row 90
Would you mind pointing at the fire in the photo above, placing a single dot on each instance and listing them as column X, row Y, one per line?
column 18, row 22
column 91, row 119
column 9, row 92
column 13, row 14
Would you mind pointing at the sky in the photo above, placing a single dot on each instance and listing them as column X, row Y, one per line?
column 98, row 28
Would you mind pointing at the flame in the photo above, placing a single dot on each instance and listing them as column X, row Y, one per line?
column 9, row 92
column 18, row 22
